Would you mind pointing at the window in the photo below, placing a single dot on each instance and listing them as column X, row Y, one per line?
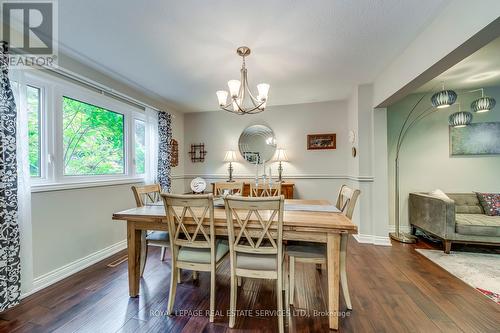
column 140, row 146
column 78, row 137
column 33, row 104
column 93, row 139
column 33, row 98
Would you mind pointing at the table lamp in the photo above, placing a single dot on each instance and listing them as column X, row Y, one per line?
column 230, row 157
column 280, row 156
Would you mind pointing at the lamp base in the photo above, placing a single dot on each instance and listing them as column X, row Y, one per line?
column 230, row 181
column 403, row 237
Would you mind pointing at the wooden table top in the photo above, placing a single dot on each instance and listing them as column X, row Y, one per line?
column 312, row 220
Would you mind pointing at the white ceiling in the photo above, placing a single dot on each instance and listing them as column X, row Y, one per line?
column 480, row 69
column 184, row 51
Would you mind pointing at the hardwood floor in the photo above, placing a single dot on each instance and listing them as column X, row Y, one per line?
column 393, row 289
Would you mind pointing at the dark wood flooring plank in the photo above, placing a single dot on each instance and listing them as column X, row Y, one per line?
column 393, row 289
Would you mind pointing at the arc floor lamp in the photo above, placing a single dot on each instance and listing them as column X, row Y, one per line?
column 439, row 100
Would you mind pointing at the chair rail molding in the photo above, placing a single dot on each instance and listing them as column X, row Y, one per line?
column 368, row 179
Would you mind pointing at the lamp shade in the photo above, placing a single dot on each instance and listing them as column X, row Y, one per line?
column 460, row 119
column 443, row 99
column 483, row 104
column 263, row 89
column 222, row 97
column 230, row 156
column 280, row 155
column 234, row 87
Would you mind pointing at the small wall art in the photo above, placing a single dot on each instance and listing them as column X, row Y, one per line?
column 321, row 141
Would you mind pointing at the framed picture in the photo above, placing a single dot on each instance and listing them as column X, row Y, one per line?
column 475, row 139
column 321, row 141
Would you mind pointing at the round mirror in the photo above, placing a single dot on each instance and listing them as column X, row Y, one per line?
column 257, row 144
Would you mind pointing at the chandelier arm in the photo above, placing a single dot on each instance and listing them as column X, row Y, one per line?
column 229, row 110
column 243, row 111
column 254, row 100
column 241, row 93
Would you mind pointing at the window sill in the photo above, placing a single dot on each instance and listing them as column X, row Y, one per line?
column 83, row 184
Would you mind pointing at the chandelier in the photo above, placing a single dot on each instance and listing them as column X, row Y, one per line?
column 239, row 90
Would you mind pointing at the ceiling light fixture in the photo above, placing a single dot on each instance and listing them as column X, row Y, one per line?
column 239, row 90
column 443, row 98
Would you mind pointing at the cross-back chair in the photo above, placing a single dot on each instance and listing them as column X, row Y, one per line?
column 192, row 240
column 265, row 190
column 316, row 253
column 233, row 188
column 146, row 195
column 255, row 232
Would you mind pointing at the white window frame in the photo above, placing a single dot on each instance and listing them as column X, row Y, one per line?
column 52, row 177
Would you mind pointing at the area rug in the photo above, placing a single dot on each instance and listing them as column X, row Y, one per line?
column 480, row 270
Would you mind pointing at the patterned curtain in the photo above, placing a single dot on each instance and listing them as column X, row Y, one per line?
column 164, row 150
column 9, row 229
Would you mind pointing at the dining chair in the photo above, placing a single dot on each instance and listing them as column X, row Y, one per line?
column 314, row 253
column 255, row 244
column 233, row 188
column 144, row 195
column 194, row 246
column 265, row 190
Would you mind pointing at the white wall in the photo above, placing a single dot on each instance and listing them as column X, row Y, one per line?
column 317, row 174
column 369, row 169
column 425, row 161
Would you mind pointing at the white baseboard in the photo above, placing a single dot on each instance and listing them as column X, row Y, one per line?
column 47, row 279
column 372, row 239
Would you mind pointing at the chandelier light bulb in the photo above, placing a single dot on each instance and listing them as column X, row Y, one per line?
column 263, row 89
column 234, row 87
column 222, row 97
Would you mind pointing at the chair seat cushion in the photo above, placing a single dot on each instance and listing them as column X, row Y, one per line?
column 158, row 236
column 307, row 250
column 478, row 225
column 258, row 262
column 202, row 256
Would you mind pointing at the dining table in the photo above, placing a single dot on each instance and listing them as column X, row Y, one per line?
column 303, row 220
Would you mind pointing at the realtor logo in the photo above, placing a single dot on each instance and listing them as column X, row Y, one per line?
column 30, row 29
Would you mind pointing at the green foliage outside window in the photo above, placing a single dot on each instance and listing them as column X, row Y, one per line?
column 140, row 146
column 93, row 139
column 33, row 104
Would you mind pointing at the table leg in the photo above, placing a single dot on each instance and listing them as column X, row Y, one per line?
column 333, row 258
column 134, row 255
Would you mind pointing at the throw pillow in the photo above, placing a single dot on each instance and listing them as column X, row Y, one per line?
column 490, row 203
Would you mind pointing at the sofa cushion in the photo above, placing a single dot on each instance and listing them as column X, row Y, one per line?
column 478, row 225
column 490, row 203
column 466, row 203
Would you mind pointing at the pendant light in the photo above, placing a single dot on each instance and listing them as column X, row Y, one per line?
column 443, row 98
column 460, row 119
column 483, row 104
